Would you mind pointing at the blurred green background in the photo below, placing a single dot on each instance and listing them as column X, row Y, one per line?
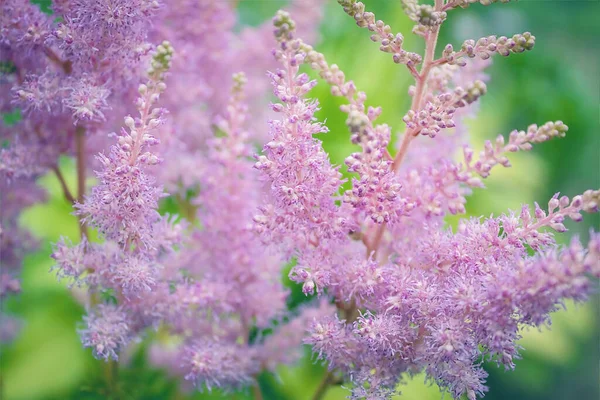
column 559, row 79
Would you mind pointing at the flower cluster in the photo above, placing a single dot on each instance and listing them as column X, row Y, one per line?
column 375, row 192
column 438, row 113
column 123, row 207
column 67, row 77
column 396, row 290
column 302, row 180
column 486, row 46
column 205, row 279
column 424, row 297
column 390, row 43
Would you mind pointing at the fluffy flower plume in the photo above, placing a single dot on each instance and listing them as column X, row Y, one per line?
column 426, row 297
column 123, row 206
column 375, row 192
column 106, row 331
column 302, row 179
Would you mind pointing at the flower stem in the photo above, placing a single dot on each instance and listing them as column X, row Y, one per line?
column 421, row 80
column 323, row 386
column 80, row 152
column 256, row 392
column 66, row 66
column 430, row 45
column 63, row 184
column 110, row 374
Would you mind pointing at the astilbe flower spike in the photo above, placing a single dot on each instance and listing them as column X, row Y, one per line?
column 123, row 208
column 428, row 298
column 106, row 331
column 375, row 192
column 302, row 180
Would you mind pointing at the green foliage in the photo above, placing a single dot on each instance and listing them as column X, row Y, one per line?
column 11, row 118
column 44, row 5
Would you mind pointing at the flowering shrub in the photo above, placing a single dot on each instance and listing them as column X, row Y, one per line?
column 396, row 290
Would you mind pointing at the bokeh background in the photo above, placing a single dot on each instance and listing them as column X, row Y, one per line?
column 559, row 79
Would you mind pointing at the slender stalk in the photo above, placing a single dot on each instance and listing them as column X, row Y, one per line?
column 323, row 386
column 256, row 392
column 430, row 44
column 63, row 185
column 408, row 137
column 110, row 374
column 61, row 179
column 66, row 66
column 80, row 149
column 80, row 152
column 373, row 245
column 416, row 105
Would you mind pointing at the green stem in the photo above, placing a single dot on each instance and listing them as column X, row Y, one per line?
column 257, row 393
column 80, row 151
column 63, row 184
column 323, row 386
column 110, row 375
